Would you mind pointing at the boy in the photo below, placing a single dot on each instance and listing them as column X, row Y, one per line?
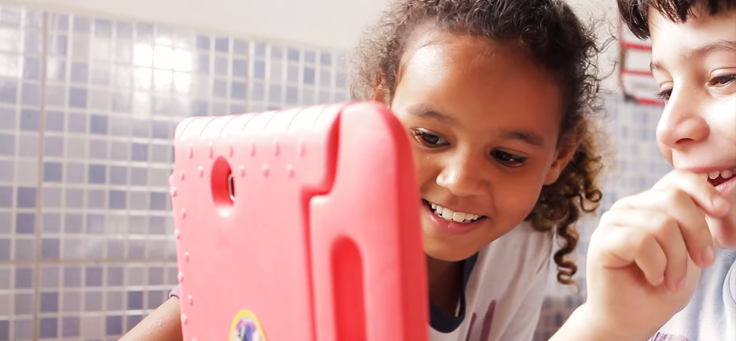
column 645, row 258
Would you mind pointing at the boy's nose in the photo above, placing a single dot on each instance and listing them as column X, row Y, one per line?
column 682, row 122
column 463, row 177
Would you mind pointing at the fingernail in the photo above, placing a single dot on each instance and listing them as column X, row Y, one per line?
column 709, row 254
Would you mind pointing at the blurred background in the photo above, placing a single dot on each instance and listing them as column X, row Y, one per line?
column 90, row 93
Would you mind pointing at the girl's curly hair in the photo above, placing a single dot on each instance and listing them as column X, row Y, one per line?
column 557, row 40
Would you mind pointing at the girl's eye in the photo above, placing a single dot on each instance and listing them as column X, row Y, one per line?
column 428, row 139
column 508, row 159
column 722, row 80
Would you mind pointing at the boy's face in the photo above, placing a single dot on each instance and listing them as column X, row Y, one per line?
column 694, row 64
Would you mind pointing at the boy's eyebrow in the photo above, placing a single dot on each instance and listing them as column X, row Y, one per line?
column 520, row 135
column 718, row 45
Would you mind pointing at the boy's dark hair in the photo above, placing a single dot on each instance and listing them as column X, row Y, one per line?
column 635, row 13
column 556, row 40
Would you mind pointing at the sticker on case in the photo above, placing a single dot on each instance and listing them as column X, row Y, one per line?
column 246, row 327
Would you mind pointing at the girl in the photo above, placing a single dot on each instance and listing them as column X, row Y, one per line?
column 496, row 97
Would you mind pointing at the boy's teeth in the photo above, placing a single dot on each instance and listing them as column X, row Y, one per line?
column 451, row 215
column 713, row 175
column 727, row 174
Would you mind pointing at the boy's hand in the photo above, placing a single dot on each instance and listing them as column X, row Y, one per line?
column 645, row 256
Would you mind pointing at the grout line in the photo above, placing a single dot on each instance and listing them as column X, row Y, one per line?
column 39, row 176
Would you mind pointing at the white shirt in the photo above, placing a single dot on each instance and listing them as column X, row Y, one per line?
column 504, row 291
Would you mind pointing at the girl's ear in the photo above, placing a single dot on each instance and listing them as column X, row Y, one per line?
column 565, row 151
column 380, row 93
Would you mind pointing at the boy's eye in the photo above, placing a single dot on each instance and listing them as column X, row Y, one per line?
column 508, row 159
column 722, row 80
column 664, row 95
column 428, row 139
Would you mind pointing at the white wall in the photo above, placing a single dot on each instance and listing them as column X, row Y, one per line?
column 322, row 23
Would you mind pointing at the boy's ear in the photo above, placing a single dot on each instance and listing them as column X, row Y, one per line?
column 565, row 151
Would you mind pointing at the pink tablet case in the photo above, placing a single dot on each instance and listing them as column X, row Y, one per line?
column 322, row 238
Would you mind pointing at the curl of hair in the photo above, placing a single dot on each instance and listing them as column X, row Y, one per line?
column 556, row 40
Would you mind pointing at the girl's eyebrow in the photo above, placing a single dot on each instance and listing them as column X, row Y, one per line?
column 526, row 136
column 718, row 45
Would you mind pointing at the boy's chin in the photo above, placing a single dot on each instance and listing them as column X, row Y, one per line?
column 723, row 231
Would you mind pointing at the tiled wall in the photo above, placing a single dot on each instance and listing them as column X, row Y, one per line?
column 86, row 244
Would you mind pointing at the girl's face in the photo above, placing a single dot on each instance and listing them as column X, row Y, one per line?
column 484, row 121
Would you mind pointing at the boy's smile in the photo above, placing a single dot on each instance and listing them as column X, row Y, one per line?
column 694, row 64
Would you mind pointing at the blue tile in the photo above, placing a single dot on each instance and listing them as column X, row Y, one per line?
column 240, row 68
column 199, row 108
column 95, row 223
column 96, row 174
column 77, row 123
column 340, row 80
column 157, row 225
column 6, row 196
column 31, row 68
column 237, row 90
column 274, row 93
column 52, row 171
column 309, row 57
column 98, row 124
column 240, row 47
column 72, row 276
column 103, row 28
column 135, row 300
column 11, row 16
column 292, row 95
column 115, row 276
column 325, row 58
column 78, row 97
column 25, row 223
column 123, row 30
column 79, row 73
column 118, row 175
column 59, row 22
column 97, row 149
column 51, row 197
column 4, row 330
column 92, row 301
column 221, row 66
column 81, row 24
column 293, row 55
column 308, row 75
column 24, row 304
column 74, row 198
column 24, row 278
column 96, row 198
column 93, row 276
column 277, row 52
column 26, row 197
column 203, row 63
column 159, row 200
column 32, row 40
column 114, row 325
column 219, row 89
column 203, row 43
column 8, row 92
column 50, row 249
column 259, row 69
column 59, row 45
column 7, row 144
column 139, row 152
column 155, row 298
column 257, row 92
column 101, row 75
column 133, row 320
column 4, row 250
column 51, row 222
column 54, row 120
column 69, row 326
column 25, row 250
column 121, row 102
column 260, row 49
column 144, row 32
column 118, row 200
column 222, row 44
column 49, row 302
column 237, row 108
column 160, row 130
column 73, row 223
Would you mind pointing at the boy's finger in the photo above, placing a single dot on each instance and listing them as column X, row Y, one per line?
column 678, row 205
column 700, row 190
column 626, row 246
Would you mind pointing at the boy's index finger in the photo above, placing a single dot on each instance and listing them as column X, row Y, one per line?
column 698, row 188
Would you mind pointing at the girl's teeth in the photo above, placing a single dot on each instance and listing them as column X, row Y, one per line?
column 451, row 215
